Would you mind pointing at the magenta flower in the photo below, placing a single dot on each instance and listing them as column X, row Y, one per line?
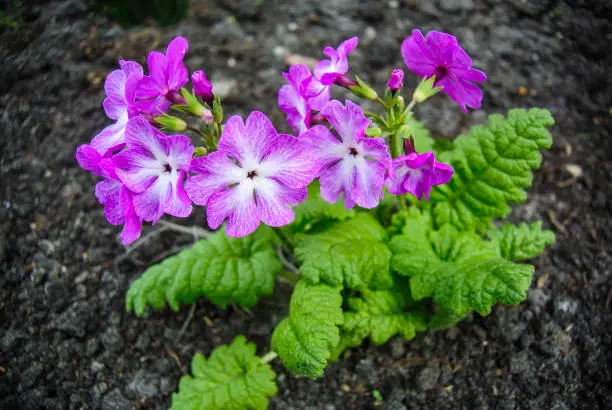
column 327, row 71
column 396, row 81
column 167, row 74
column 116, row 198
column 253, row 177
column 153, row 167
column 349, row 163
column 201, row 86
column 440, row 54
column 119, row 105
column 119, row 208
column 303, row 94
column 416, row 173
column 292, row 97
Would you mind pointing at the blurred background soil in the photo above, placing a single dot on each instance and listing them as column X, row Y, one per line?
column 65, row 339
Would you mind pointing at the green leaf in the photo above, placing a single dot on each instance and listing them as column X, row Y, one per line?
column 459, row 270
column 381, row 314
column 314, row 209
column 232, row 378
column 221, row 268
column 304, row 339
column 351, row 253
column 521, row 242
column 492, row 169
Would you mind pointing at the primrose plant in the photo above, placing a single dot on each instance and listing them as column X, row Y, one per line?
column 381, row 229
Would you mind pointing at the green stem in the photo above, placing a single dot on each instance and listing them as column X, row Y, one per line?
column 291, row 278
column 284, row 239
column 268, row 357
column 381, row 102
column 410, row 107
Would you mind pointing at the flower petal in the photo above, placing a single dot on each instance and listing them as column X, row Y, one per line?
column 139, row 133
column 349, row 121
column 136, row 169
column 179, row 149
column 178, row 204
column 247, row 142
column 110, row 138
column 417, row 55
column 147, row 88
column 214, row 172
column 337, row 179
column 326, row 148
column 176, row 72
column 369, row 180
column 461, row 91
column 442, row 173
column 89, row 159
column 237, row 204
column 114, row 85
column 149, row 204
column 133, row 224
column 294, row 105
column 115, row 108
column 290, row 161
column 108, row 194
column 273, row 201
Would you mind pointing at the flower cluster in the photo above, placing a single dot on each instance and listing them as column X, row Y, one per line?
column 246, row 173
column 143, row 169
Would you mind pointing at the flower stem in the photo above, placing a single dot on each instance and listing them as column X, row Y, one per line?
column 284, row 239
column 289, row 277
column 268, row 357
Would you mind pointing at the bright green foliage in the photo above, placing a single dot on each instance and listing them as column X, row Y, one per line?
column 314, row 209
column 233, row 378
column 380, row 315
column 305, row 338
column 220, row 268
column 350, row 253
column 521, row 242
column 492, row 169
column 460, row 271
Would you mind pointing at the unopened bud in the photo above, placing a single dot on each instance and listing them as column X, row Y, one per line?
column 217, row 110
column 171, row 123
column 199, row 152
column 425, row 89
column 373, row 132
column 396, row 81
column 363, row 90
column 202, row 87
column 409, row 145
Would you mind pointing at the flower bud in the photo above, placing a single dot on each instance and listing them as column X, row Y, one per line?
column 363, row 90
column 201, row 86
column 396, row 81
column 425, row 89
column 171, row 123
column 373, row 132
column 199, row 152
column 409, row 145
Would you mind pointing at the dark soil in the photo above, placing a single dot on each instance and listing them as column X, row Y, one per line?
column 65, row 339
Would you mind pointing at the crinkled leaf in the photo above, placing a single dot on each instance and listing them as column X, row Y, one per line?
column 304, row 340
column 233, row 378
column 220, row 268
column 460, row 271
column 350, row 253
column 314, row 209
column 521, row 242
column 493, row 167
column 381, row 314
